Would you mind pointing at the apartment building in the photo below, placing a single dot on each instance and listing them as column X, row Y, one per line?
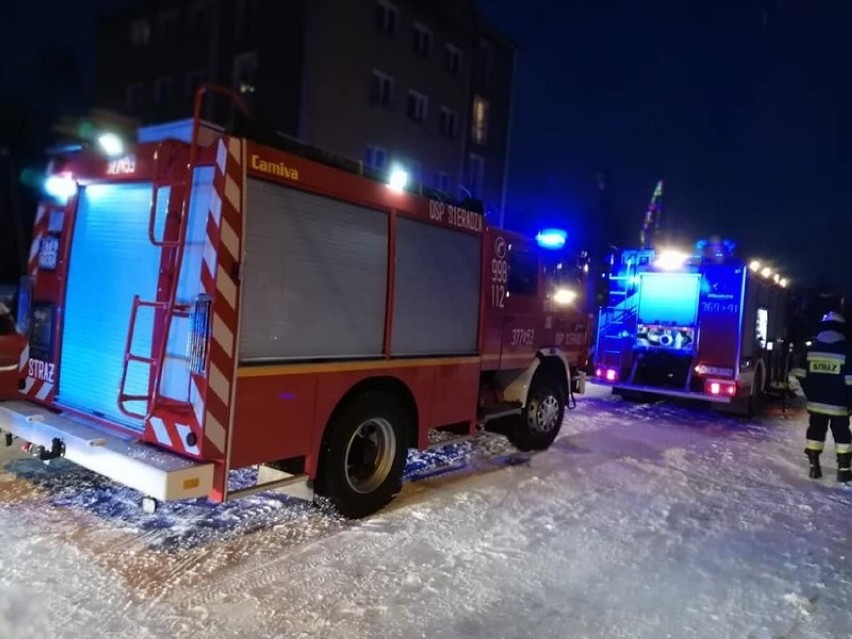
column 421, row 84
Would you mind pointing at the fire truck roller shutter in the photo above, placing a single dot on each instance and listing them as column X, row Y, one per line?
column 436, row 290
column 315, row 276
column 110, row 237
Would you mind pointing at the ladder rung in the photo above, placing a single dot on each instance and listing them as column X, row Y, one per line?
column 133, row 398
column 138, row 358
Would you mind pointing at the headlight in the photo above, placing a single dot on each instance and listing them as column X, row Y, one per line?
column 564, row 296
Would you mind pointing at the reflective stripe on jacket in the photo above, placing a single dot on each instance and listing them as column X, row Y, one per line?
column 828, row 374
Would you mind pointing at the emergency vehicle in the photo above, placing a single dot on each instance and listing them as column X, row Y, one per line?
column 705, row 325
column 211, row 303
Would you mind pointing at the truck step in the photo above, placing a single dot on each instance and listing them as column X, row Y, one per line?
column 437, row 439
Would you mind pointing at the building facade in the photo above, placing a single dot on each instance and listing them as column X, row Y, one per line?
column 425, row 85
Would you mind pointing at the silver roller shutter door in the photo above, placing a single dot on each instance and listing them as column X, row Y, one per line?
column 436, row 292
column 315, row 277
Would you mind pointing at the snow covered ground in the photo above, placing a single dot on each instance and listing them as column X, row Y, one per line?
column 655, row 520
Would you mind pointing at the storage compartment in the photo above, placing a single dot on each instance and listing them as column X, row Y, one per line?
column 314, row 279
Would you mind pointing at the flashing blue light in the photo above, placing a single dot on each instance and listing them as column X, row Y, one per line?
column 551, row 239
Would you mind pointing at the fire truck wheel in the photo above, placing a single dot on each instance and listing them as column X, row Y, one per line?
column 542, row 417
column 364, row 455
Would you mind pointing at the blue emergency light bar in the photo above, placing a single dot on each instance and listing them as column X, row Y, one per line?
column 551, row 239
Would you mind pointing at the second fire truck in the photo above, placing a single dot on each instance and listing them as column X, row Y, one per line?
column 703, row 325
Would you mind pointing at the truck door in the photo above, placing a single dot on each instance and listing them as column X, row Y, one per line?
column 522, row 313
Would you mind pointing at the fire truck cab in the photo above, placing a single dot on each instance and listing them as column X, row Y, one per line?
column 705, row 326
column 209, row 302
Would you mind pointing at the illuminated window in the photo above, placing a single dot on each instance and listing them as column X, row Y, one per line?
column 476, row 174
column 381, row 89
column 386, row 15
column 762, row 326
column 422, row 40
column 376, row 157
column 418, row 106
column 452, row 59
column 479, row 123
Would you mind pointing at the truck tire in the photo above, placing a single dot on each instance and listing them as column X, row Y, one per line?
column 363, row 455
column 541, row 418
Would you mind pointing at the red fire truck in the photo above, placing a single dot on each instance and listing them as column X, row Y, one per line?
column 707, row 326
column 212, row 304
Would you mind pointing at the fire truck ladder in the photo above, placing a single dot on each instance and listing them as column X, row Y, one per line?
column 167, row 306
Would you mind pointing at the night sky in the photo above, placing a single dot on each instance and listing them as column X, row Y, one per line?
column 742, row 107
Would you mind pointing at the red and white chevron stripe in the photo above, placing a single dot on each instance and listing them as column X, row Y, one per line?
column 221, row 259
column 210, row 393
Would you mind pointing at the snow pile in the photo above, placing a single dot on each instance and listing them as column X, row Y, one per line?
column 655, row 521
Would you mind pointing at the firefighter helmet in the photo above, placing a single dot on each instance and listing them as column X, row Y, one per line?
column 833, row 316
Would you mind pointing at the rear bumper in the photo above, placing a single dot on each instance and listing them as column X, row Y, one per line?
column 669, row 392
column 153, row 472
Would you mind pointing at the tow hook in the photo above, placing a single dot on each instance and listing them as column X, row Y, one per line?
column 57, row 449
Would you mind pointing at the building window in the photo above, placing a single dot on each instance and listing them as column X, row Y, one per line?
column 415, row 171
column 485, row 61
column 376, row 157
column 386, row 15
column 163, row 91
column 167, row 23
column 476, row 174
column 133, row 97
column 418, row 106
column 422, row 40
column 442, row 181
column 140, row 32
column 449, row 122
column 381, row 89
column 199, row 15
column 195, row 79
column 452, row 59
column 479, row 121
column 245, row 69
column 246, row 19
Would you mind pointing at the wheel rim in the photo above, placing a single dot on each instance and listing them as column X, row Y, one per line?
column 546, row 415
column 369, row 455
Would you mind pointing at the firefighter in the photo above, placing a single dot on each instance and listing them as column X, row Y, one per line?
column 826, row 380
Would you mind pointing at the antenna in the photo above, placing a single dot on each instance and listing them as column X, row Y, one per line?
column 651, row 223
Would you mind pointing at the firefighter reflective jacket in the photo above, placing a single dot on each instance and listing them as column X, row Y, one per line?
column 826, row 377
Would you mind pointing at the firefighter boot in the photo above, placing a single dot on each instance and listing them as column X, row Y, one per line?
column 813, row 459
column 844, row 474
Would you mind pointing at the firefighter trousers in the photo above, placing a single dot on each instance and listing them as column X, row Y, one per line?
column 818, row 427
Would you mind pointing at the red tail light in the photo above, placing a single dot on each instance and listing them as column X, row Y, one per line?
column 611, row 375
column 719, row 387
